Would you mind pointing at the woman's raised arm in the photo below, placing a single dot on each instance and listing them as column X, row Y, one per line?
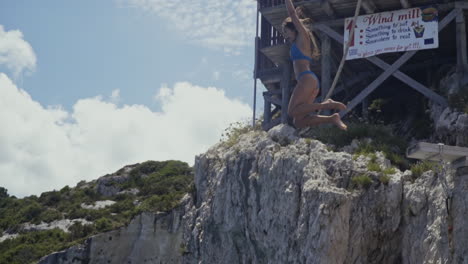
column 295, row 18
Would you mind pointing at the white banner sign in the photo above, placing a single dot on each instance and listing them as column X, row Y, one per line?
column 396, row 31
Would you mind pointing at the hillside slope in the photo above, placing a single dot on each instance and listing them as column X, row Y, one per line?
column 36, row 226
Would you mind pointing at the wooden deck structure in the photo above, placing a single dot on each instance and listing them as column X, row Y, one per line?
column 361, row 76
column 457, row 156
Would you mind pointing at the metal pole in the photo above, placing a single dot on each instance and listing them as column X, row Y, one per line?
column 255, row 69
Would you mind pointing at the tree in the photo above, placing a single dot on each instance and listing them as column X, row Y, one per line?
column 3, row 193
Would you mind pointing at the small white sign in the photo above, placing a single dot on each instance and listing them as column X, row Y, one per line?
column 396, row 31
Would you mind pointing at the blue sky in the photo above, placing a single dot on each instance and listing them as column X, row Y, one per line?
column 89, row 86
column 85, row 48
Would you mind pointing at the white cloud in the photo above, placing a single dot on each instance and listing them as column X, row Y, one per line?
column 15, row 53
column 48, row 148
column 225, row 24
column 115, row 96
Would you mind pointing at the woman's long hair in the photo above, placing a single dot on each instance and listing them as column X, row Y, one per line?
column 308, row 23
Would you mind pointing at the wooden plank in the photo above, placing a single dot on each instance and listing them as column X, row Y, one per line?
column 331, row 23
column 387, row 73
column 462, row 60
column 257, row 44
column 461, row 5
column 411, row 82
column 326, row 65
column 269, row 75
column 435, row 152
column 361, row 76
column 272, row 100
column 448, row 18
column 276, row 15
column 278, row 54
column 368, row 6
column 285, row 88
column 405, row 3
column 327, row 8
column 399, row 75
column 266, row 110
column 272, row 91
column 421, row 88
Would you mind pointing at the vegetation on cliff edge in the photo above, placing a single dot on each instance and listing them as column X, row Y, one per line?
column 161, row 186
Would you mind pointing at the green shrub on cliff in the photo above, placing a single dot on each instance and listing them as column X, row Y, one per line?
column 389, row 171
column 103, row 224
column 374, row 166
column 385, row 179
column 29, row 247
column 419, row 168
column 232, row 133
column 363, row 181
column 382, row 139
column 161, row 186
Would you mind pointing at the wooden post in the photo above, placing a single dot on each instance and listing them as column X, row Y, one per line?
column 326, row 65
column 462, row 60
column 368, row 6
column 327, row 8
column 257, row 40
column 405, row 3
column 266, row 112
column 285, row 91
column 371, row 87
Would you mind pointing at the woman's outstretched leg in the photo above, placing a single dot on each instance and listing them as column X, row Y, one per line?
column 300, row 109
column 308, row 108
column 331, row 104
column 303, row 97
column 306, row 121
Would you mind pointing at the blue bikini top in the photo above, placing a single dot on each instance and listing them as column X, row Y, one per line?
column 296, row 54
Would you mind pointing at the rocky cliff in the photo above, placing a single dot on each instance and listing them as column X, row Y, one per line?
column 451, row 127
column 149, row 238
column 278, row 198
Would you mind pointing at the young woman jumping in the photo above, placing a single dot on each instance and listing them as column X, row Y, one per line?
column 301, row 105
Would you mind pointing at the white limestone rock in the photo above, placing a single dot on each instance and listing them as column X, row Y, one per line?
column 149, row 238
column 276, row 198
column 6, row 236
column 63, row 224
column 98, row 205
column 283, row 134
column 283, row 203
column 452, row 128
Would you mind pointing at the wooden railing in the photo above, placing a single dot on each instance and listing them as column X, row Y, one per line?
column 269, row 36
column 263, row 62
column 270, row 3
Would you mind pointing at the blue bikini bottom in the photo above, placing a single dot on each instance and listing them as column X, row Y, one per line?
column 311, row 73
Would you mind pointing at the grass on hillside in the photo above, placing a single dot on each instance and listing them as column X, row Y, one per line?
column 161, row 185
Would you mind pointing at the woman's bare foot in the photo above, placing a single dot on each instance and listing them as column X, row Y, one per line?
column 330, row 104
column 337, row 121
